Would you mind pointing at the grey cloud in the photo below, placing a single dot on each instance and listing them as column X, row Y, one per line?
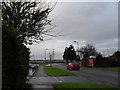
column 93, row 22
column 85, row 25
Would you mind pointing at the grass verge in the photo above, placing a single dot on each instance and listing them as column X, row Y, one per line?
column 80, row 86
column 39, row 63
column 112, row 69
column 106, row 68
column 51, row 71
column 65, row 63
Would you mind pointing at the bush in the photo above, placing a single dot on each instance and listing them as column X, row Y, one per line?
column 15, row 59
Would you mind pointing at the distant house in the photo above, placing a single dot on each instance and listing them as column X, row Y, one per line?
column 111, row 61
column 115, row 59
column 115, row 56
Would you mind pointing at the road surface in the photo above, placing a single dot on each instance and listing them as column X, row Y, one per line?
column 91, row 75
column 84, row 75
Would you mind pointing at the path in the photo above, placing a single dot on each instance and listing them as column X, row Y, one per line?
column 41, row 80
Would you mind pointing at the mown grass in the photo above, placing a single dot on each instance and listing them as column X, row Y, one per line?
column 39, row 63
column 106, row 68
column 51, row 71
column 112, row 69
column 80, row 86
column 65, row 63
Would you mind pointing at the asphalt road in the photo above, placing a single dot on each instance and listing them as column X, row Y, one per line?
column 90, row 75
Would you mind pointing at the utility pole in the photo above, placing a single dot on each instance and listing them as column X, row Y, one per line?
column 53, row 54
column 77, row 47
column 45, row 53
column 50, row 59
column 78, row 50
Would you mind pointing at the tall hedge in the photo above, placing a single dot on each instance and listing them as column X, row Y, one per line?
column 15, row 59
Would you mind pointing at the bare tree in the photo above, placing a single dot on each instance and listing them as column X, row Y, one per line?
column 29, row 18
column 88, row 50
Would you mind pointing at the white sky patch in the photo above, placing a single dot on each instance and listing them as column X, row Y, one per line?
column 107, row 51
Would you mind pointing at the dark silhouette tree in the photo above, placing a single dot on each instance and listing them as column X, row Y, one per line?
column 65, row 55
column 29, row 18
column 98, row 59
column 88, row 50
column 70, row 54
column 99, row 56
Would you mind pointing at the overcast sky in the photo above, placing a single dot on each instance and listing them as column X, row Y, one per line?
column 87, row 22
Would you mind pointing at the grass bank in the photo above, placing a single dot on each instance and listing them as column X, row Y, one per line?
column 51, row 71
column 80, row 86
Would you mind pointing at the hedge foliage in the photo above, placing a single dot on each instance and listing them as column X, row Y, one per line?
column 15, row 59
